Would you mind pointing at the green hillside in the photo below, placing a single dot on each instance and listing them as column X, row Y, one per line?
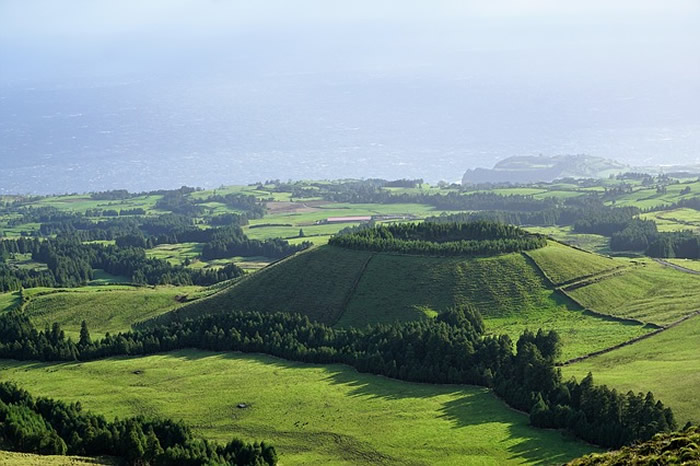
column 355, row 288
column 104, row 310
column 649, row 292
column 316, row 283
column 667, row 364
column 314, row 414
column 562, row 264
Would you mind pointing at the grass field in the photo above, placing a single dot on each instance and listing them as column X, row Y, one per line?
column 589, row 242
column 668, row 364
column 562, row 264
column 646, row 198
column 83, row 202
column 650, row 293
column 687, row 263
column 104, row 310
column 675, row 220
column 313, row 414
column 356, row 288
column 175, row 253
column 9, row 300
column 8, row 458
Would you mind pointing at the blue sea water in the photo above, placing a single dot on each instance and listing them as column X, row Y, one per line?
column 77, row 136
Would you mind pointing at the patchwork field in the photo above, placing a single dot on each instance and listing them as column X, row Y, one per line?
column 648, row 197
column 668, row 364
column 314, row 414
column 675, row 220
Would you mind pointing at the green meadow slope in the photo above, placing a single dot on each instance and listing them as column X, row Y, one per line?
column 668, row 364
column 355, row 288
column 104, row 309
column 648, row 292
column 316, row 283
column 314, row 414
column 563, row 264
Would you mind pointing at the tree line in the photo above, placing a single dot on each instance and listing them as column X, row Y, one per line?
column 441, row 239
column 230, row 241
column 51, row 427
column 71, row 263
column 452, row 348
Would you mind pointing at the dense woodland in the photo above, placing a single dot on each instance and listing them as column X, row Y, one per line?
column 449, row 349
column 51, row 427
column 441, row 239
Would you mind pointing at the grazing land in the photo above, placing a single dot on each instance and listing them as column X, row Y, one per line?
column 675, row 219
column 105, row 310
column 650, row 293
column 686, row 263
column 565, row 234
column 562, row 264
column 667, row 364
column 9, row 458
column 315, row 414
column 315, row 283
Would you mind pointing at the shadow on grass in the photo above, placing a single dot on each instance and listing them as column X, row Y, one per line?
column 550, row 447
column 536, row 446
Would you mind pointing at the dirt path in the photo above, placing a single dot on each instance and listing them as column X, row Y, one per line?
column 677, row 267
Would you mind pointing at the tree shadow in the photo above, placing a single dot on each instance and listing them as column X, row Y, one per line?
column 378, row 386
column 548, row 447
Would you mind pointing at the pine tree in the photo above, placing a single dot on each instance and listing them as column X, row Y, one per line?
column 85, row 339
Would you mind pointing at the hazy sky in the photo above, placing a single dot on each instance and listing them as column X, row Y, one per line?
column 597, row 39
column 417, row 87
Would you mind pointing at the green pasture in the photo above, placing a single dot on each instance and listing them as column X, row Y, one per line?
column 563, row 264
column 675, row 219
column 647, row 197
column 668, row 364
column 565, row 234
column 10, row 458
column 687, row 263
column 650, row 293
column 313, row 414
column 104, row 310
column 176, row 253
column 83, row 202
column 9, row 300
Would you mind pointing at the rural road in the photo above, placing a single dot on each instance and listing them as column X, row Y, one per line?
column 677, row 267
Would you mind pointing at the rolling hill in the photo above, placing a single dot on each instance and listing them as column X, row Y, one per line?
column 345, row 287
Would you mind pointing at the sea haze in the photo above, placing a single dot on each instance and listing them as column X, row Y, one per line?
column 236, row 93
